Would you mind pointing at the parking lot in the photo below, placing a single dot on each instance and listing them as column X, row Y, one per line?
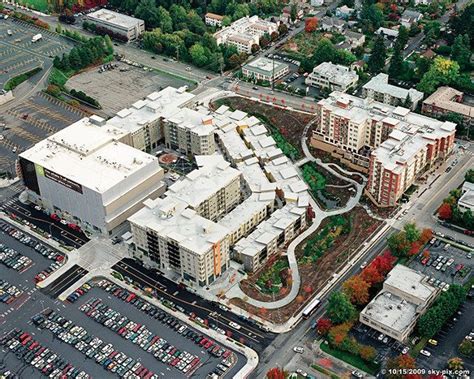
column 19, row 54
column 446, row 264
column 19, row 313
column 110, row 86
column 31, row 121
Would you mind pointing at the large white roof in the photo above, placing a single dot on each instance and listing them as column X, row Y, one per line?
column 115, row 18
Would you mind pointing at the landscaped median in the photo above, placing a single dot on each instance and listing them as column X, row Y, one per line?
column 17, row 80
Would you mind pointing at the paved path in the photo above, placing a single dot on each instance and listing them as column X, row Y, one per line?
column 320, row 215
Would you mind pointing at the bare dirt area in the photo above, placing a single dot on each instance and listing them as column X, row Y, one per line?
column 290, row 124
column 120, row 87
column 314, row 275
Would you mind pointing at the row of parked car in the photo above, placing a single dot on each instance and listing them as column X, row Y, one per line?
column 140, row 335
column 79, row 292
column 40, row 357
column 8, row 292
column 167, row 319
column 13, row 259
column 92, row 347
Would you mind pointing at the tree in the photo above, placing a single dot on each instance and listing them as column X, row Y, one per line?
column 75, row 59
column 339, row 308
column 426, row 254
column 462, row 23
column 441, row 72
column 461, row 51
column 426, row 235
column 282, row 29
column 466, row 347
column 198, row 55
column 398, row 244
column 371, row 17
column 165, row 21
column 323, row 325
column 376, row 61
column 371, row 275
column 147, row 11
column 226, row 21
column 59, row 29
column 414, row 248
column 255, row 48
column 264, row 40
column 469, row 177
column 357, row 289
column 367, row 353
column 445, row 211
column 403, row 361
column 411, row 231
column 276, row 373
column 109, row 45
column 274, row 36
column 455, row 363
column 402, row 38
column 293, row 12
column 384, row 262
column 310, row 24
column 395, row 69
column 337, row 334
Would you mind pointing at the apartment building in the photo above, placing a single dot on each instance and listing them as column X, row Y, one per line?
column 447, row 100
column 265, row 69
column 333, row 76
column 129, row 27
column 89, row 175
column 213, row 19
column 170, row 236
column 245, row 32
column 212, row 190
column 144, row 120
column 190, row 132
column 405, row 296
column 379, row 89
column 393, row 144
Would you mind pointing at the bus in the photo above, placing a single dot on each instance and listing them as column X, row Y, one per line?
column 311, row 307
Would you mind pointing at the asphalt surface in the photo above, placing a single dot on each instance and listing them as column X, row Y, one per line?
column 18, row 315
column 42, row 221
column 65, row 281
column 249, row 334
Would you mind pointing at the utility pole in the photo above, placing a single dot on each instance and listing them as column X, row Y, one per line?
column 273, row 72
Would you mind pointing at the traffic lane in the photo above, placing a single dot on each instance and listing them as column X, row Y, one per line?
column 65, row 281
column 58, row 231
column 155, row 326
column 196, row 304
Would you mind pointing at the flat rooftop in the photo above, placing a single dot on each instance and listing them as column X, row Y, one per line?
column 391, row 310
column 380, row 84
column 171, row 219
column 90, row 155
column 409, row 281
column 197, row 122
column 201, row 184
column 162, row 104
column 265, row 66
column 335, row 73
column 115, row 18
column 450, row 99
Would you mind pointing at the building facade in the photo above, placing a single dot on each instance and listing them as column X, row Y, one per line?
column 213, row 19
column 129, row 27
column 245, row 32
column 333, row 76
column 265, row 69
column 392, row 143
column 447, row 100
column 406, row 295
column 88, row 175
column 379, row 90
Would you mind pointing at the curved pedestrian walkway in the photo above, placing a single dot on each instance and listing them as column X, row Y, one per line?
column 320, row 215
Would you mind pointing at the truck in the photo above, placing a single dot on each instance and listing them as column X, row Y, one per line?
column 36, row 37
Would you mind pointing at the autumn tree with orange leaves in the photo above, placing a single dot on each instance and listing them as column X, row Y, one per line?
column 357, row 289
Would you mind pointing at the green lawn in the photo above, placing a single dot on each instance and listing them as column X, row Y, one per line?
column 272, row 275
column 39, row 5
column 368, row 367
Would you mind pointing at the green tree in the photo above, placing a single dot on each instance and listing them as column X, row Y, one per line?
column 164, row 20
column 462, row 23
column 75, row 59
column 371, row 17
column 412, row 232
column 461, row 51
column 466, row 347
column 395, row 69
column 109, row 45
column 59, row 29
column 377, row 59
column 339, row 308
column 402, row 38
column 398, row 244
column 441, row 72
column 293, row 12
column 226, row 21
column 147, row 11
column 469, row 177
column 198, row 55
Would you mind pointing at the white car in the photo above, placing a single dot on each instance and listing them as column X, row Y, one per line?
column 405, row 350
column 301, row 372
column 363, row 265
column 357, row 374
column 426, row 353
column 234, row 325
column 298, row 349
column 64, row 222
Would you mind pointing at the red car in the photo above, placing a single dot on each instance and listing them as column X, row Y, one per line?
column 55, row 217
